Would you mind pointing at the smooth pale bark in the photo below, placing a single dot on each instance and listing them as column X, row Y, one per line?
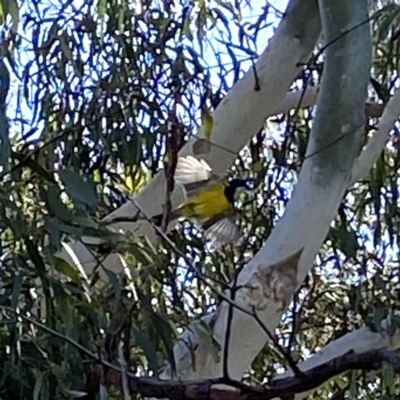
column 375, row 145
column 325, row 176
column 236, row 120
column 360, row 341
column 363, row 339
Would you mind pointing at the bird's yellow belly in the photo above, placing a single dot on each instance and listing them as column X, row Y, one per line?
column 205, row 205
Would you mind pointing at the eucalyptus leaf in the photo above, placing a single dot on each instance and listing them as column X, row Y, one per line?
column 67, row 269
column 115, row 282
column 18, row 279
column 78, row 188
column 148, row 348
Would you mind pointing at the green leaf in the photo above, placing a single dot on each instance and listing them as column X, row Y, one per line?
column 33, row 354
column 186, row 31
column 34, row 166
column 101, row 8
column 17, row 284
column 52, row 197
column 65, row 307
column 392, row 326
column 55, row 235
column 19, row 225
column 347, row 241
column 206, row 335
column 5, row 144
column 131, row 149
column 353, row 385
column 379, row 315
column 115, row 282
column 78, row 188
column 65, row 47
column 207, row 122
column 38, row 386
column 341, row 381
column 166, row 334
column 85, row 222
column 148, row 348
column 10, row 7
column 72, row 230
column 67, row 269
column 388, row 378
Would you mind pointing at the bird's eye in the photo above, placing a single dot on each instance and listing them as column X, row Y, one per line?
column 250, row 185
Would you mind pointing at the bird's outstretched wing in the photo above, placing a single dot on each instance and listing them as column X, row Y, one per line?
column 193, row 174
column 190, row 169
column 222, row 229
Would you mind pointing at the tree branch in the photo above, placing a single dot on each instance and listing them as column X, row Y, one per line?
column 277, row 388
column 308, row 98
column 375, row 145
column 238, row 117
column 359, row 341
column 313, row 375
column 5, row 147
column 322, row 183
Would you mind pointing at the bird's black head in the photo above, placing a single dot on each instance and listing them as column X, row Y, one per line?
column 234, row 185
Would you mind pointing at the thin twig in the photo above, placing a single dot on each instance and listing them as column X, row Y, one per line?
column 200, row 276
column 296, row 370
column 169, row 170
column 66, row 339
column 229, row 318
column 5, row 148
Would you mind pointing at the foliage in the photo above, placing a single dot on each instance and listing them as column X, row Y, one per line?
column 97, row 90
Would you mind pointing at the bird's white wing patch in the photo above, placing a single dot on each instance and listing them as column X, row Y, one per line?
column 190, row 170
column 223, row 232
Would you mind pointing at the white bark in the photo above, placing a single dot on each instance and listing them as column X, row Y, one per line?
column 375, row 145
column 239, row 117
column 322, row 183
column 360, row 341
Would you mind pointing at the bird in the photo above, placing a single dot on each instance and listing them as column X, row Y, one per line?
column 209, row 199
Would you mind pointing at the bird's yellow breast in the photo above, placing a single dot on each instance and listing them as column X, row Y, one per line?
column 207, row 203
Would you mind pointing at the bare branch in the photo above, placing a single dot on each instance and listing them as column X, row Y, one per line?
column 376, row 144
column 277, row 388
column 209, row 389
column 5, row 148
column 359, row 341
